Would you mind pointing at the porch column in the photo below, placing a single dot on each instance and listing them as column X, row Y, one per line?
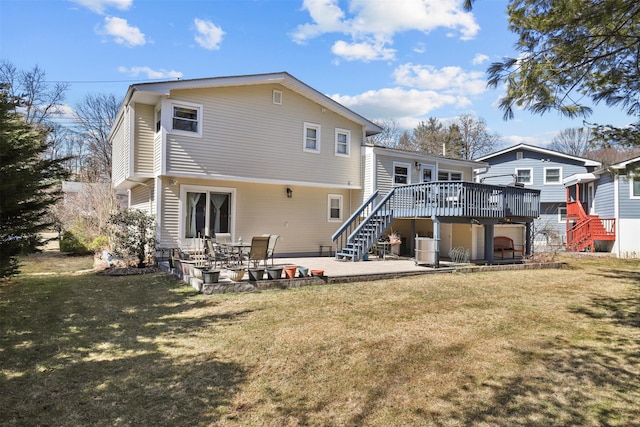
column 436, row 238
column 527, row 238
column 412, row 239
column 488, row 242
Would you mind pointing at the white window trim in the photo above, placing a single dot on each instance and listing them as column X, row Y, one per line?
column 404, row 165
column 530, row 175
column 182, row 206
column 545, row 176
column 560, row 220
column 317, row 127
column 192, row 106
column 631, row 179
column 449, row 172
column 276, row 97
column 348, row 133
column 331, row 197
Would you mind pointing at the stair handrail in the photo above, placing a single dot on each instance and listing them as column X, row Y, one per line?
column 355, row 215
column 373, row 212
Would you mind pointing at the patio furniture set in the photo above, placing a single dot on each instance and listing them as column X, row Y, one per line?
column 215, row 254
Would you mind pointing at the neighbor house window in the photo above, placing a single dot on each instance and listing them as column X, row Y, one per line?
column 553, row 176
column 635, row 187
column 444, row 175
column 401, row 173
column 343, row 139
column 186, row 119
column 335, row 208
column 562, row 214
column 311, row 137
column 524, row 176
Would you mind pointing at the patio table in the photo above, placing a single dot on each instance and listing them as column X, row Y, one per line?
column 236, row 250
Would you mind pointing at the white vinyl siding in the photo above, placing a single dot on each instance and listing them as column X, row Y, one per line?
column 144, row 139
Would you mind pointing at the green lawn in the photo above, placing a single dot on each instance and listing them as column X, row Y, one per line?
column 523, row 348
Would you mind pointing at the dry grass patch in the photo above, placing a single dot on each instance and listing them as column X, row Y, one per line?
column 542, row 347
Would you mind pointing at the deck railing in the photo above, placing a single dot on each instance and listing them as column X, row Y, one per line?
column 465, row 199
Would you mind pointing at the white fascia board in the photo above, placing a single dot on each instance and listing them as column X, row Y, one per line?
column 545, row 151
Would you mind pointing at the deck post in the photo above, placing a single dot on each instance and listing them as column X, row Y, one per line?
column 436, row 238
column 488, row 242
column 527, row 238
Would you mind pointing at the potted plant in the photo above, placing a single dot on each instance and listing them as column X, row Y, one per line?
column 290, row 271
column 236, row 273
column 256, row 274
column 210, row 276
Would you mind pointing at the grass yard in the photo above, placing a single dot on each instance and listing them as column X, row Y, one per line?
column 512, row 348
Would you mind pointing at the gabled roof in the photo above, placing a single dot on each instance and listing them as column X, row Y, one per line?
column 540, row 150
column 148, row 91
column 623, row 165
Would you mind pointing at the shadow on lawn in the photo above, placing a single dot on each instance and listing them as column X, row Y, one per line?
column 592, row 382
column 99, row 351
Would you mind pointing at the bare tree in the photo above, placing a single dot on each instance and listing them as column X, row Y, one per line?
column 475, row 137
column 390, row 135
column 572, row 141
column 96, row 115
column 39, row 99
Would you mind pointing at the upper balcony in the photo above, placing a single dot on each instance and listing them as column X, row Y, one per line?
column 465, row 200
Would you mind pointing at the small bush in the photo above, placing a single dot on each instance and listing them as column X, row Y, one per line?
column 70, row 243
column 99, row 243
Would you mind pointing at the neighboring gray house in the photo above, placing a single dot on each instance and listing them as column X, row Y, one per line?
column 603, row 209
column 542, row 169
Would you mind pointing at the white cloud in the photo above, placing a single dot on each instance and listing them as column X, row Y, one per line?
column 405, row 106
column 447, row 79
column 123, row 32
column 362, row 51
column 381, row 20
column 150, row 73
column 99, row 6
column 209, row 35
column 480, row 58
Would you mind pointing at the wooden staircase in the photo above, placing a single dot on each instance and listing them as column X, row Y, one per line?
column 583, row 230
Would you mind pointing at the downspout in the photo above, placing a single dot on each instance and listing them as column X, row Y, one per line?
column 616, row 211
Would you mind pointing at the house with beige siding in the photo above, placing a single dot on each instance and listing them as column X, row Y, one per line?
column 245, row 155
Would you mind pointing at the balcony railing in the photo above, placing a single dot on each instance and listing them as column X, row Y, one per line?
column 464, row 199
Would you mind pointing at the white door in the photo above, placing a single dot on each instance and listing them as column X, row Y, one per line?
column 590, row 198
column 446, row 230
column 426, row 173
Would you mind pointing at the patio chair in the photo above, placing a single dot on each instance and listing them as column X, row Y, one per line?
column 273, row 239
column 258, row 251
column 223, row 237
column 215, row 253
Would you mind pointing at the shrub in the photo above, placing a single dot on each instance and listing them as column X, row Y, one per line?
column 70, row 243
column 134, row 234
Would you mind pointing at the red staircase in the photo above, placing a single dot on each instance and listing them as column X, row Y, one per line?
column 584, row 230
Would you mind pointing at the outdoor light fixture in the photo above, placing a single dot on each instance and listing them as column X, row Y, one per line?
column 172, row 181
column 289, row 193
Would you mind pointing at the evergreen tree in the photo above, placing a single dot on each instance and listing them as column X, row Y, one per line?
column 29, row 184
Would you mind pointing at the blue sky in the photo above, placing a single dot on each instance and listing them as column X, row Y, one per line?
column 405, row 60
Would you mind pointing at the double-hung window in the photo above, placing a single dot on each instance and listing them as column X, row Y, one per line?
column 186, row 119
column 401, row 173
column 562, row 214
column 524, row 176
column 552, row 176
column 311, row 137
column 444, row 175
column 343, row 140
column 334, row 206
